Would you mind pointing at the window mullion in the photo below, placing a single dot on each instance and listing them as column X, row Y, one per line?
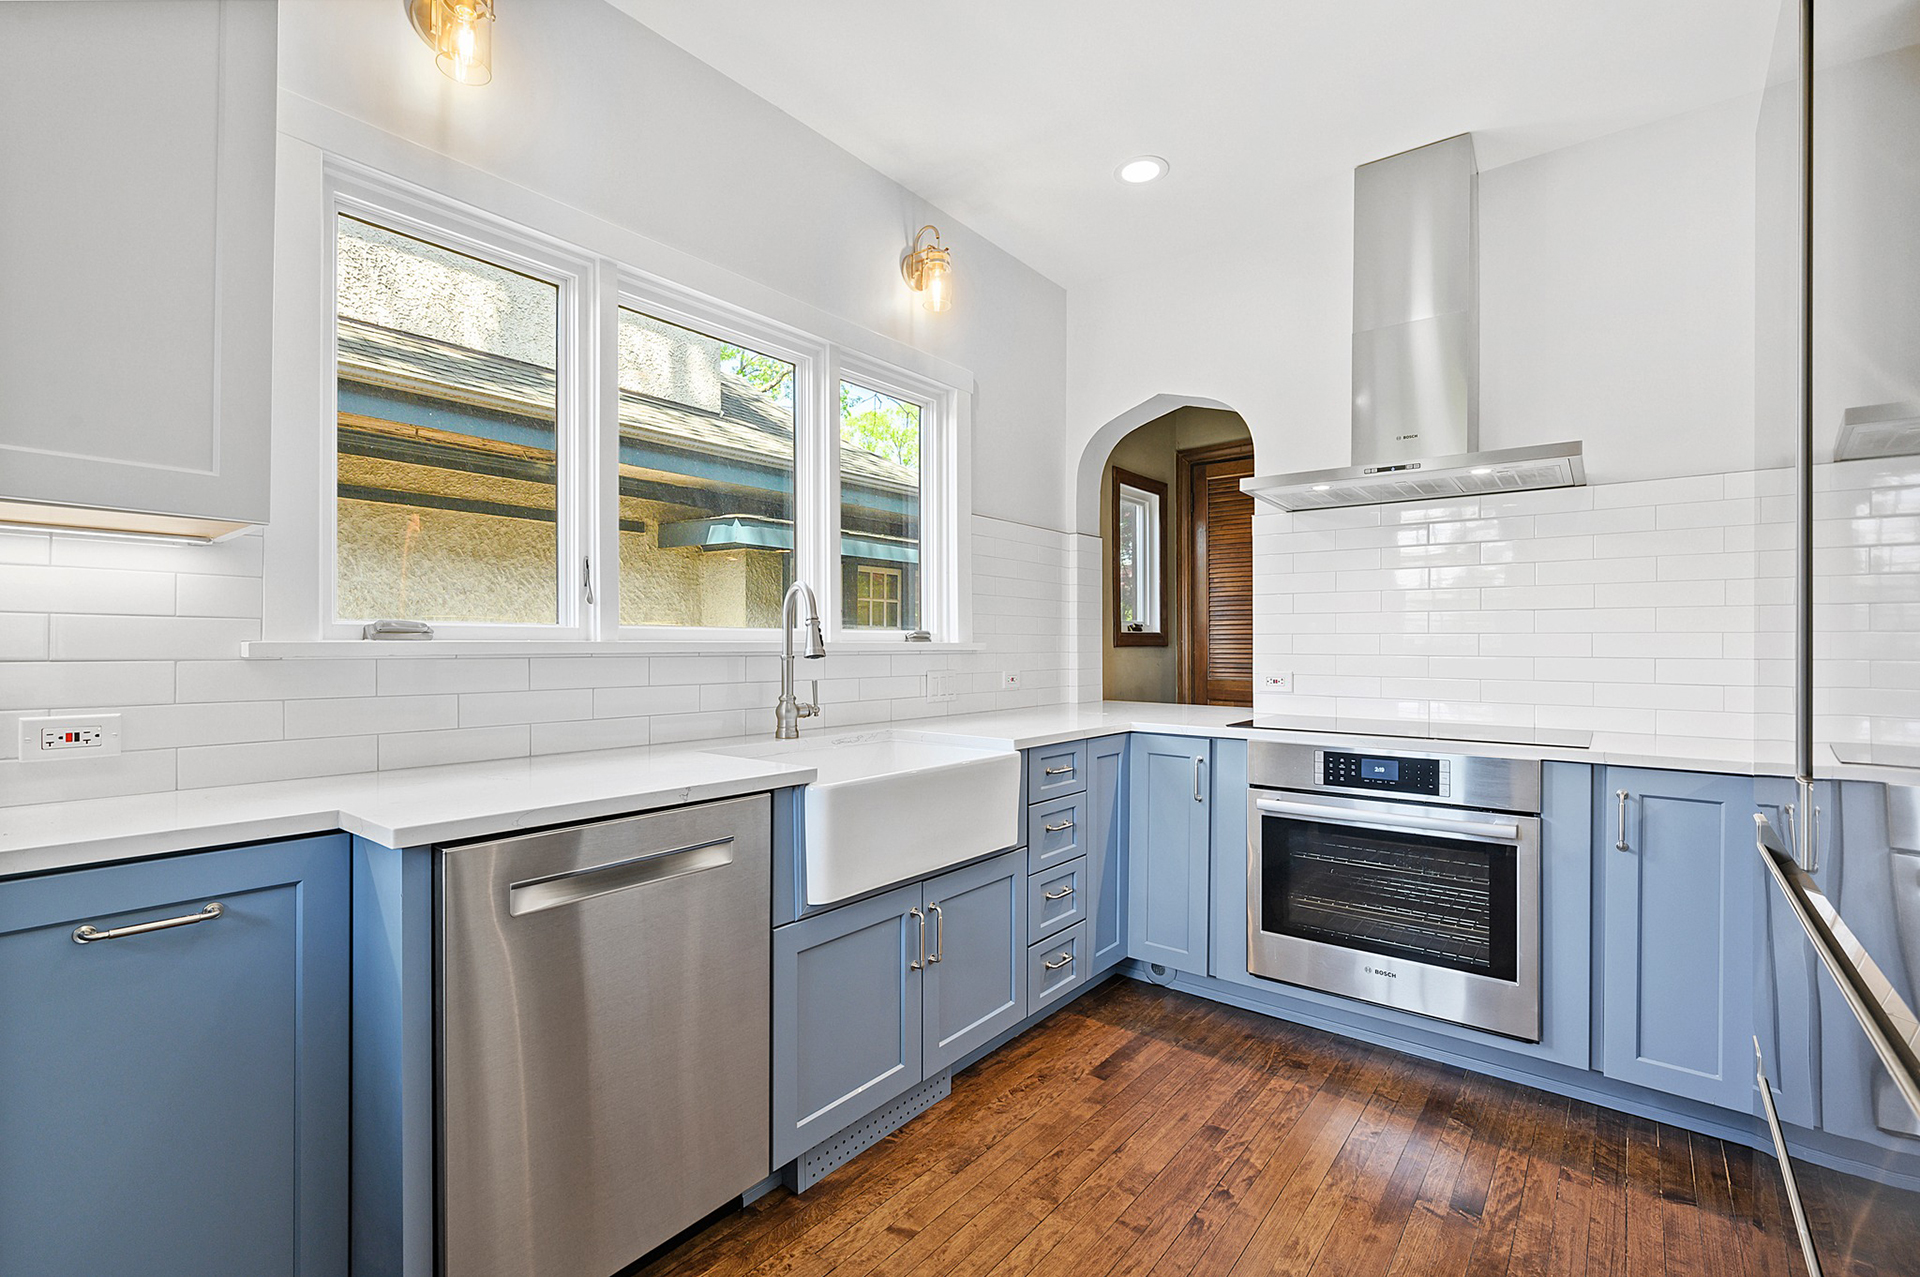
column 823, row 472
column 598, row 376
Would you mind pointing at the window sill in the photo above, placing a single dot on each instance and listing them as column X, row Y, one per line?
column 349, row 649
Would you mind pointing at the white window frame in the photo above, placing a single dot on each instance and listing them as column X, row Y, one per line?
column 1149, row 574
column 661, row 299
column 596, row 282
column 398, row 207
column 942, row 503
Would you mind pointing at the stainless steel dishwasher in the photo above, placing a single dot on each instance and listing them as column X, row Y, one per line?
column 604, row 1037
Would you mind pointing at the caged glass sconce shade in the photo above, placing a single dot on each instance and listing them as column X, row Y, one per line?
column 460, row 33
column 928, row 270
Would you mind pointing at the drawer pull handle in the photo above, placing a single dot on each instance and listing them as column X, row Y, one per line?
column 87, row 933
column 1059, row 962
column 1063, row 825
column 1060, row 771
column 1061, row 894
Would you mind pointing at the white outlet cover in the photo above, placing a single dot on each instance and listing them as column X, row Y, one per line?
column 1276, row 682
column 102, row 732
column 1010, row 679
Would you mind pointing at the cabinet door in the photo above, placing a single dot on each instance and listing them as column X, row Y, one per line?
column 976, row 980
column 1680, row 901
column 1106, row 859
column 176, row 1100
column 1168, row 847
column 135, row 326
column 846, row 1016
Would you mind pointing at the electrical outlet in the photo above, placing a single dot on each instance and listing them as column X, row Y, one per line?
column 1009, row 680
column 69, row 736
column 1277, row 682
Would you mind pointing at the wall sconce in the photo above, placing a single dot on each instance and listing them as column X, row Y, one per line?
column 929, row 271
column 460, row 33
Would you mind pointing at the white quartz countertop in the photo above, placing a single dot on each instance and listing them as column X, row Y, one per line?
column 429, row 805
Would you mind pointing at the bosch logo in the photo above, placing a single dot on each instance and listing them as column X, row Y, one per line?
column 1382, row 971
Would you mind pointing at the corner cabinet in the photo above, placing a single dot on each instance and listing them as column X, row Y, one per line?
column 874, row 997
column 1106, row 853
column 1169, row 842
column 136, row 321
column 176, row 1097
column 1679, row 884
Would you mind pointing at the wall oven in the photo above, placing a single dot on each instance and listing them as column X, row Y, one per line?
column 1407, row 879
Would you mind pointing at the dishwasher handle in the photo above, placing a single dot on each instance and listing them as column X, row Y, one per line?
column 1480, row 830
column 537, row 894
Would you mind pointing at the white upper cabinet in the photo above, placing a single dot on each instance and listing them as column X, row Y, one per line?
column 136, row 261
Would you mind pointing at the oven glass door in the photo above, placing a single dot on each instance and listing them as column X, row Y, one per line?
column 1426, row 897
column 1433, row 910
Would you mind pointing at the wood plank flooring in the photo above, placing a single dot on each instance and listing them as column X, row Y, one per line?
column 1145, row 1131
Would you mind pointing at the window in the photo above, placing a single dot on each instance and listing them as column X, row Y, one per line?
column 532, row 441
column 1138, row 553
column 876, row 597
column 879, row 508
column 447, row 446
column 706, row 479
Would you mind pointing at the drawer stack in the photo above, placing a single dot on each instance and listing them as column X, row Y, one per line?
column 1058, row 889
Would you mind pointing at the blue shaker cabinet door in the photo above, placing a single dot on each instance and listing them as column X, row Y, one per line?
column 1106, row 852
column 976, row 978
column 175, row 1101
column 1680, row 881
column 847, row 995
column 1169, row 843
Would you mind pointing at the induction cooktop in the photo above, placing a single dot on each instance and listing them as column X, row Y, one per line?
column 1488, row 733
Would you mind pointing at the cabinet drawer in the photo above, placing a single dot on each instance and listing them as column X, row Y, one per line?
column 1056, row 898
column 1056, row 967
column 1053, row 770
column 1054, row 832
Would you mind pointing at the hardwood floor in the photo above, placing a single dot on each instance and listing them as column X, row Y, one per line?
column 1145, row 1131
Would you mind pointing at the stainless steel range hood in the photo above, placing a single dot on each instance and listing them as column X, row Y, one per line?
column 1416, row 339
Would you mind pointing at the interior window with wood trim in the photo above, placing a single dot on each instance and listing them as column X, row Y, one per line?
column 1139, row 583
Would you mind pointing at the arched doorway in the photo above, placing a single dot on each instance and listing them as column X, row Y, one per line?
column 1176, row 605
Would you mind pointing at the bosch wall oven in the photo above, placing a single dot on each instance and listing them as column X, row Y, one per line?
column 1407, row 879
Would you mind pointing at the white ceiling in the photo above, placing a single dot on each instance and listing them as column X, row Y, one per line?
column 1013, row 114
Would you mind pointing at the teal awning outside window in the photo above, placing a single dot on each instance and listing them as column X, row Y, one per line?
column 746, row 532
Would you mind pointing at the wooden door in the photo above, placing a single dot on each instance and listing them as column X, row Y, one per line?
column 1217, row 657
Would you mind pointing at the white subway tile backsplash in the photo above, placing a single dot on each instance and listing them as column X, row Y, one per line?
column 32, row 588
column 93, row 683
column 207, row 765
column 60, row 782
column 206, row 723
column 458, row 745
column 202, row 595
column 271, row 680
column 494, row 709
column 370, row 715
column 23, row 636
column 425, row 675
column 132, row 638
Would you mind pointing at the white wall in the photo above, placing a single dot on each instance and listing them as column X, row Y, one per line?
column 1616, row 307
column 591, row 109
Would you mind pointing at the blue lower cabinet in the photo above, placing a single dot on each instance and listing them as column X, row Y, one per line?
column 977, row 942
column 1680, row 883
column 1057, row 966
column 1169, row 842
column 846, row 1016
column 1106, row 848
column 175, row 1099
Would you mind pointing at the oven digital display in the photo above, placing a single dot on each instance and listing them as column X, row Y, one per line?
column 1398, row 775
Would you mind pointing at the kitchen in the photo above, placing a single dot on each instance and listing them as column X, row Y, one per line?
column 494, row 778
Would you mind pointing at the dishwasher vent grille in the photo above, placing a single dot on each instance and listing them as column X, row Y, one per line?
column 824, row 1158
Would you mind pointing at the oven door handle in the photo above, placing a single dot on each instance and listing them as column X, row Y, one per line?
column 1478, row 830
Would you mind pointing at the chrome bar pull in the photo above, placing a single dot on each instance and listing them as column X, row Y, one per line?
column 1808, row 1253
column 1199, row 794
column 87, row 933
column 920, row 963
column 1060, row 771
column 939, row 933
column 1620, row 823
column 1059, row 962
column 1061, row 894
column 1063, row 825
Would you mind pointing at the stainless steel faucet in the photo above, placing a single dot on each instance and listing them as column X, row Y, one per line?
column 791, row 709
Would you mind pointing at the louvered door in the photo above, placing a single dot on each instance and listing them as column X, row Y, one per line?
column 1220, row 608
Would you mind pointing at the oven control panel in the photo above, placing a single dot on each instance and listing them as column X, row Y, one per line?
column 1430, row 776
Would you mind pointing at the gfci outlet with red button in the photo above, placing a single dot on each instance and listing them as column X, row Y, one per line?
column 69, row 736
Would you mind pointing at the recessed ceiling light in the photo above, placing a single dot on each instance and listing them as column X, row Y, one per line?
column 1323, row 487
column 1481, row 470
column 1146, row 168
